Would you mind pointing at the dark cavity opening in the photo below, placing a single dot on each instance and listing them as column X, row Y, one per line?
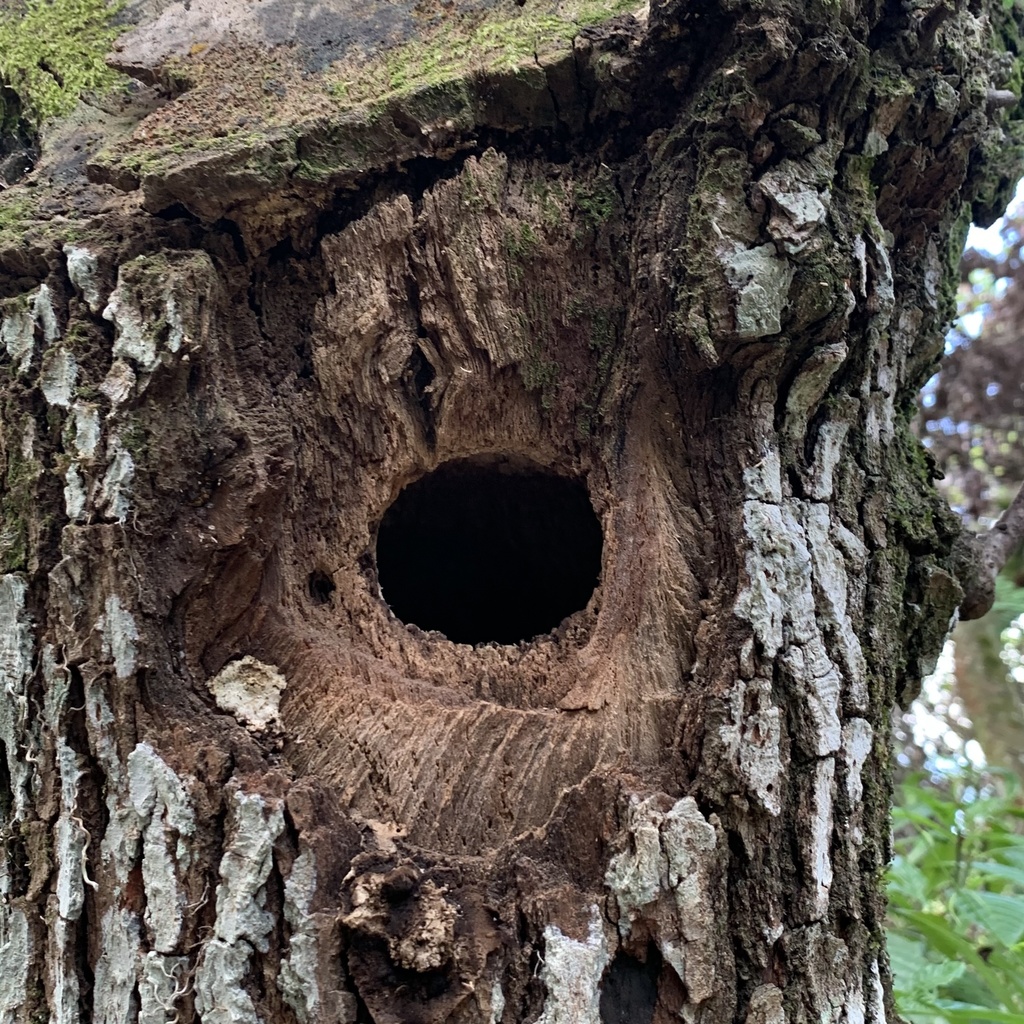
column 489, row 551
column 321, row 586
column 629, row 992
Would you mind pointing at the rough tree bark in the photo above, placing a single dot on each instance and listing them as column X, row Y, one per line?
column 698, row 258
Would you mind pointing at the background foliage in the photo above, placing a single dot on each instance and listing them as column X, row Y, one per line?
column 957, row 900
column 956, row 939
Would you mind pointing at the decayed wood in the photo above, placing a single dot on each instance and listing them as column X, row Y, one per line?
column 695, row 258
column 989, row 694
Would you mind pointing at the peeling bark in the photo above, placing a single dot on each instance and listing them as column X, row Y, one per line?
column 697, row 259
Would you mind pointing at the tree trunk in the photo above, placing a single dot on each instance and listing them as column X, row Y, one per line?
column 992, row 698
column 990, row 695
column 685, row 268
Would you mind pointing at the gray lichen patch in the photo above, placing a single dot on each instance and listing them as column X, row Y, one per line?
column 118, row 965
column 16, row 655
column 83, row 272
column 670, row 879
column 818, row 801
column 45, row 315
column 22, row 319
column 251, row 691
column 114, row 492
column 243, row 923
column 86, row 420
column 75, row 498
column 751, row 741
column 58, row 376
column 163, row 981
column 298, row 980
column 17, row 333
column 760, row 281
column 71, row 838
column 166, row 818
column 571, row 972
column 798, row 197
column 120, row 636
column 797, row 573
column 157, row 308
column 16, row 957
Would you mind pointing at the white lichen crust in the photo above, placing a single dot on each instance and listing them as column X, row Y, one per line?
column 250, row 690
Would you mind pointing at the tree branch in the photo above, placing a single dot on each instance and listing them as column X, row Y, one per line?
column 982, row 557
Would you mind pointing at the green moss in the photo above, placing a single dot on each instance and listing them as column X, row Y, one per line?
column 17, row 505
column 597, row 200
column 15, row 210
column 135, row 439
column 602, row 336
column 457, row 46
column 541, row 374
column 248, row 151
column 601, row 325
column 549, row 200
column 469, row 191
column 918, row 515
column 889, row 83
column 54, row 50
column 481, row 189
column 856, row 174
column 954, row 254
column 575, row 309
column 13, row 540
column 519, row 243
column 22, row 227
column 78, row 337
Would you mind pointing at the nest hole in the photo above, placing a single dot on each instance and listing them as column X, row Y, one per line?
column 490, row 551
column 321, row 587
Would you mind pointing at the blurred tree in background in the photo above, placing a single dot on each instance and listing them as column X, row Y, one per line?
column 972, row 422
column 973, row 411
column 956, row 890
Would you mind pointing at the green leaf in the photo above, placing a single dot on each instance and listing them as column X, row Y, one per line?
column 999, row 914
column 906, row 959
column 944, row 940
column 956, row 934
column 967, row 1013
column 935, row 976
column 909, row 881
column 991, row 869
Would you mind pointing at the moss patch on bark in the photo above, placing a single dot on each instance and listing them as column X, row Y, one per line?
column 54, row 51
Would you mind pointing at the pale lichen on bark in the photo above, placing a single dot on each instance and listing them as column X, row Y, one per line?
column 298, row 978
column 167, row 823
column 242, row 925
column 671, row 879
column 571, row 972
column 250, row 690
